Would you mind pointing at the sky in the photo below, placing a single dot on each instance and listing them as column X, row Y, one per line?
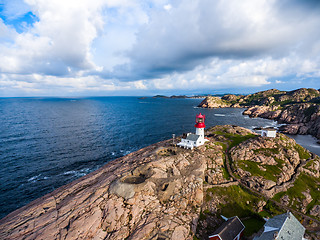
column 148, row 47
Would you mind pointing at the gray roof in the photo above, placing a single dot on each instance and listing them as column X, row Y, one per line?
column 287, row 227
column 230, row 229
column 269, row 129
column 193, row 137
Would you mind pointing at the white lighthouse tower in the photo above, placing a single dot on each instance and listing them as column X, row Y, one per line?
column 200, row 125
column 195, row 140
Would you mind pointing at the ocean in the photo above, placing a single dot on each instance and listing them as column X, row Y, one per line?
column 48, row 142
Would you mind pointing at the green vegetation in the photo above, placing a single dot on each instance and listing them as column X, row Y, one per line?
column 310, row 166
column 309, row 111
column 253, row 225
column 239, row 202
column 202, row 216
column 267, row 151
column 313, row 92
column 271, row 209
column 271, row 173
column 235, row 138
column 302, row 184
column 224, row 146
column 303, row 153
column 225, row 173
column 285, row 102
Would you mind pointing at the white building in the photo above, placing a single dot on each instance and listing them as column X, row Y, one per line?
column 269, row 132
column 191, row 141
column 195, row 140
column 282, row 227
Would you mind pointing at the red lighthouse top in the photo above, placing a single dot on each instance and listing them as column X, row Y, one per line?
column 200, row 121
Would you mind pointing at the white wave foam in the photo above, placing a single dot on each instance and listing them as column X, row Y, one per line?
column 69, row 172
column 37, row 178
column 34, row 178
column 79, row 173
column 219, row 115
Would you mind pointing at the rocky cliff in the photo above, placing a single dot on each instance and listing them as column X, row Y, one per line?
column 300, row 109
column 165, row 192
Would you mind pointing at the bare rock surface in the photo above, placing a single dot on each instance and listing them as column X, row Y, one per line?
column 159, row 192
column 153, row 193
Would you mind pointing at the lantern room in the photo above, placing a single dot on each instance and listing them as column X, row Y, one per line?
column 200, row 121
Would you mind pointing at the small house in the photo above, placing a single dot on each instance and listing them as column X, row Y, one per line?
column 192, row 140
column 281, row 227
column 269, row 132
column 232, row 229
column 195, row 140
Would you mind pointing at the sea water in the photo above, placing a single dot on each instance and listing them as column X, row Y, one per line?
column 48, row 142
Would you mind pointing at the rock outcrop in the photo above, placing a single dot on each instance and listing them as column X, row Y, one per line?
column 267, row 165
column 214, row 102
column 165, row 192
column 300, row 109
column 303, row 118
column 155, row 193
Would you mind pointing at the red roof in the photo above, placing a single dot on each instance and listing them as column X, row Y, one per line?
column 201, row 116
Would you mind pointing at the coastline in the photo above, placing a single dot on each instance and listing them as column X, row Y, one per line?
column 45, row 210
column 159, row 190
column 298, row 111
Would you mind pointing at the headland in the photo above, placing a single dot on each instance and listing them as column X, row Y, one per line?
column 165, row 192
column 298, row 110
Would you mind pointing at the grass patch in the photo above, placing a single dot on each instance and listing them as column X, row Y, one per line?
column 271, row 209
column 236, row 201
column 253, row 225
column 235, row 138
column 310, row 165
column 302, row 184
column 224, row 146
column 303, row 154
column 240, row 202
column 225, row 173
column 267, row 151
column 271, row 173
column 208, row 197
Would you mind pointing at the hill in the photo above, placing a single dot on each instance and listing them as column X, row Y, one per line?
column 165, row 192
column 299, row 109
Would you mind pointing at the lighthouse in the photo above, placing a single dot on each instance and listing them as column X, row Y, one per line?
column 195, row 140
column 200, row 125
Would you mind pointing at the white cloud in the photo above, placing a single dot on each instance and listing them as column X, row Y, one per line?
column 167, row 7
column 61, row 39
column 123, row 45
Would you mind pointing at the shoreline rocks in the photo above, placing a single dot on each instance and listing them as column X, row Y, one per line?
column 144, row 195
column 299, row 109
column 160, row 192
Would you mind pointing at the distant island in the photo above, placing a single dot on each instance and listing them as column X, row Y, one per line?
column 166, row 192
column 177, row 96
column 299, row 109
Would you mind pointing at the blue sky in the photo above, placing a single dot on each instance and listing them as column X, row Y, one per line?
column 148, row 47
